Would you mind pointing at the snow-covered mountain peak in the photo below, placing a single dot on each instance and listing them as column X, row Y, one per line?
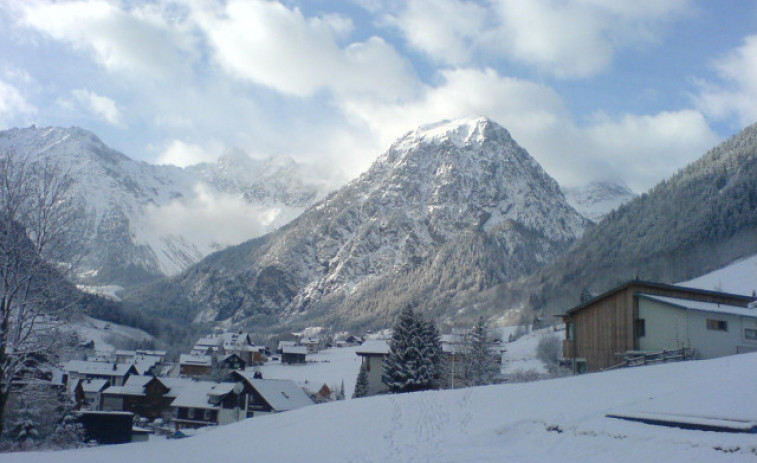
column 459, row 195
column 597, row 199
column 459, row 132
column 234, row 158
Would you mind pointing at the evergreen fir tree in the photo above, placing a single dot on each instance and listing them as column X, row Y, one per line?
column 70, row 432
column 432, row 346
column 361, row 386
column 413, row 361
column 481, row 365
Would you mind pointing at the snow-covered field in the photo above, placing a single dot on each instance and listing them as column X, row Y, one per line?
column 740, row 277
column 520, row 355
column 558, row 420
column 108, row 336
column 330, row 367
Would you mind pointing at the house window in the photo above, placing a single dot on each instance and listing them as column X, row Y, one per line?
column 367, row 363
column 641, row 328
column 750, row 334
column 571, row 331
column 717, row 325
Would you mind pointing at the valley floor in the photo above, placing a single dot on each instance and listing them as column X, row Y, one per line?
column 561, row 420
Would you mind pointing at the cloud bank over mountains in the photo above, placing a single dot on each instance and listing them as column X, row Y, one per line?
column 592, row 89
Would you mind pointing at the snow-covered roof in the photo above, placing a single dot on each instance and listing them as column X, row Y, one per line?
column 94, row 385
column 138, row 380
column 210, row 341
column 201, row 394
column 281, row 394
column 295, row 350
column 378, row 347
column 97, row 368
column 193, row 359
column 125, row 353
column 143, row 365
column 235, row 339
column 704, row 306
column 286, row 343
column 125, row 390
column 152, row 353
column 176, row 385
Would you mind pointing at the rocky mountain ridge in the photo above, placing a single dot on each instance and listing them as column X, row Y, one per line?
column 449, row 208
column 128, row 206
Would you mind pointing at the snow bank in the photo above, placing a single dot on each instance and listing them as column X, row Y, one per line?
column 559, row 420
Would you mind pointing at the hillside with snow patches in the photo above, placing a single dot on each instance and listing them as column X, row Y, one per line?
column 740, row 277
column 450, row 208
column 700, row 219
column 561, row 420
column 143, row 220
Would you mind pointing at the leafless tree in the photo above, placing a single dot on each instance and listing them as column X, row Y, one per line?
column 37, row 249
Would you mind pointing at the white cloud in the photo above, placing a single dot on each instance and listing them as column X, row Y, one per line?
column 445, row 29
column 272, row 45
column 736, row 94
column 213, row 219
column 574, row 38
column 12, row 104
column 99, row 105
column 640, row 149
column 182, row 154
column 645, row 149
column 139, row 40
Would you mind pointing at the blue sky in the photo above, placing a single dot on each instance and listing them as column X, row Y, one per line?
column 593, row 89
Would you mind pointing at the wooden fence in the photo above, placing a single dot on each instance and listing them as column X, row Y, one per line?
column 637, row 359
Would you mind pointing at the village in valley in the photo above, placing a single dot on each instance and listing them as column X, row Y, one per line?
column 130, row 395
column 374, row 231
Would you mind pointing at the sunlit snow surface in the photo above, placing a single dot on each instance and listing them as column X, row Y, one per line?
column 740, row 278
column 558, row 420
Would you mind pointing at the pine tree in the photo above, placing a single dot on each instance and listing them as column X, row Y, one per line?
column 361, row 386
column 414, row 354
column 480, row 363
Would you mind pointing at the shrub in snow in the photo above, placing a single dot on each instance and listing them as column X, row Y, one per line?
column 361, row 386
column 548, row 351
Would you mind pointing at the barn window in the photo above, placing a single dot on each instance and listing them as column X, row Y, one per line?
column 717, row 325
column 641, row 328
column 750, row 334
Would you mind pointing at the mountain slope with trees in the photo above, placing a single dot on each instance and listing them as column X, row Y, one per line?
column 700, row 219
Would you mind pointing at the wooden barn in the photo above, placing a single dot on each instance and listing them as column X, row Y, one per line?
column 641, row 316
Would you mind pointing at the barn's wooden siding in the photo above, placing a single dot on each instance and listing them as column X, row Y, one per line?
column 604, row 326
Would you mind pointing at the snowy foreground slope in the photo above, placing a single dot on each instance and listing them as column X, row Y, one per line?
column 560, row 420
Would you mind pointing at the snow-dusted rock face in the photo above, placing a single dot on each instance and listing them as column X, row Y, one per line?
column 702, row 218
column 450, row 208
column 597, row 199
column 144, row 220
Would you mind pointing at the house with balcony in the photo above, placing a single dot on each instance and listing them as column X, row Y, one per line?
column 640, row 318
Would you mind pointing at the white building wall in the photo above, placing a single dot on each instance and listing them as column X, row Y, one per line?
column 712, row 343
column 232, row 415
column 375, row 366
column 669, row 327
column 666, row 326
